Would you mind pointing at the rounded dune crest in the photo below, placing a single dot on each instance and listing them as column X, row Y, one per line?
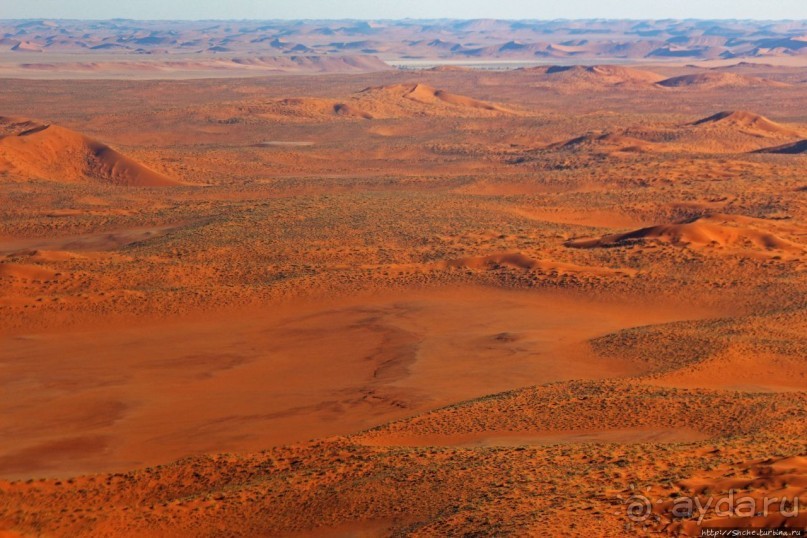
column 572, row 77
column 34, row 150
column 428, row 95
column 607, row 142
column 747, row 122
column 715, row 230
column 713, row 80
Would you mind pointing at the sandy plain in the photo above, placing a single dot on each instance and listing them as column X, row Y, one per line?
column 409, row 303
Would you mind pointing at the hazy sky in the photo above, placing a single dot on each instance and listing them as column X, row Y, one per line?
column 395, row 9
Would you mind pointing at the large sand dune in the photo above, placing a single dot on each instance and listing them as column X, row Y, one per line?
column 32, row 150
column 596, row 77
column 716, row 231
column 383, row 102
column 607, row 143
column 747, row 123
column 787, row 149
column 715, row 80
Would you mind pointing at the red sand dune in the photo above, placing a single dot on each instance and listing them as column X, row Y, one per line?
column 27, row 46
column 518, row 260
column 343, row 109
column 310, row 108
column 737, row 131
column 578, row 411
column 601, row 75
column 43, row 151
column 787, row 149
column 746, row 122
column 425, row 94
column 607, row 142
column 713, row 80
column 715, row 230
column 381, row 102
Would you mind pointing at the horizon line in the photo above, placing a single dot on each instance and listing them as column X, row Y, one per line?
column 326, row 19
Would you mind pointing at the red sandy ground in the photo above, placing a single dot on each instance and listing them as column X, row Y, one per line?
column 438, row 303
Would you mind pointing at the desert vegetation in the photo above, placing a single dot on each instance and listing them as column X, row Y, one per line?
column 437, row 302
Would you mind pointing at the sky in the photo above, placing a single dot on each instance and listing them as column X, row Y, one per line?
column 398, row 9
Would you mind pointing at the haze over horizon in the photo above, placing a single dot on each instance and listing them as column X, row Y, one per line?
column 416, row 9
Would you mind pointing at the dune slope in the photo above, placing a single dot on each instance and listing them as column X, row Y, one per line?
column 746, row 122
column 32, row 150
column 719, row 231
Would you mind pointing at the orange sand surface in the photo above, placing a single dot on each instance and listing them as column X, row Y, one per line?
column 317, row 296
column 96, row 399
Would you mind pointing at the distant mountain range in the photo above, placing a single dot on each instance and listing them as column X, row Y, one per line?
column 417, row 39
